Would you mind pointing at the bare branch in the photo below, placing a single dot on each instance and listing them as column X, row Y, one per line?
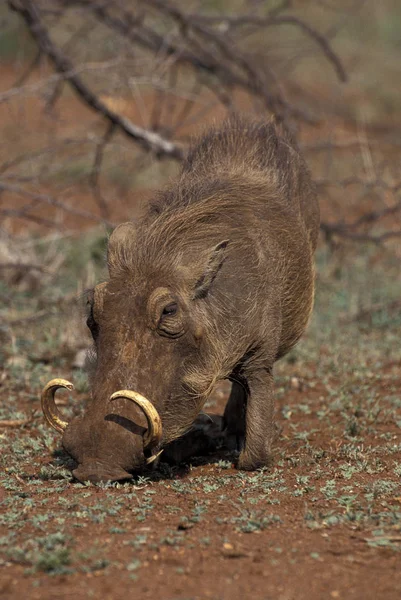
column 206, row 48
column 230, row 54
column 55, row 79
column 14, row 422
column 28, row 156
column 23, row 267
column 46, row 199
column 227, row 23
column 375, row 215
column 94, row 176
column 226, row 68
column 24, row 214
column 318, row 38
column 147, row 139
column 30, row 68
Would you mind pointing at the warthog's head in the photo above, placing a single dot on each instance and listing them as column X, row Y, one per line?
column 150, row 374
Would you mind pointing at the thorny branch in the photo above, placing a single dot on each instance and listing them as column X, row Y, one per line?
column 188, row 51
column 97, row 164
column 206, row 48
column 147, row 139
column 226, row 23
column 350, row 230
column 37, row 199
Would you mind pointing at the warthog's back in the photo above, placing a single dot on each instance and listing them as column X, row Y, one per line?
column 258, row 161
column 245, row 182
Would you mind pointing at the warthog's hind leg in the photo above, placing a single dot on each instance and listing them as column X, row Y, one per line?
column 234, row 418
column 204, row 437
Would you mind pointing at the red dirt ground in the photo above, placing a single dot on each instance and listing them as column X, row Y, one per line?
column 208, row 531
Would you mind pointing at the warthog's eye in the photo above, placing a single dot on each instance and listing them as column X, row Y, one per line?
column 166, row 314
column 170, row 309
column 169, row 323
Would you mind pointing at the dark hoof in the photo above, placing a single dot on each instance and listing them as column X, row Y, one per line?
column 252, row 463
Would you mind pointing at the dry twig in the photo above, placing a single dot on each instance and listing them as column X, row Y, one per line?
column 208, row 48
column 147, row 139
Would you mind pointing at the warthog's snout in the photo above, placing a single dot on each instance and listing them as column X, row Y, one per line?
column 114, row 434
column 96, row 471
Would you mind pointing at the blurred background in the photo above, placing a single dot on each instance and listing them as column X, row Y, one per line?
column 98, row 103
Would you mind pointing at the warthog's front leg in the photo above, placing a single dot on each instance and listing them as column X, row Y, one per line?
column 260, row 429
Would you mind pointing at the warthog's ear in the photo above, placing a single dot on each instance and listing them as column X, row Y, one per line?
column 211, row 268
column 120, row 242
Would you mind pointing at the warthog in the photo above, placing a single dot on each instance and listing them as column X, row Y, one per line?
column 216, row 281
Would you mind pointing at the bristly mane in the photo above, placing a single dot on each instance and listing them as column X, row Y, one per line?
column 237, row 150
column 227, row 174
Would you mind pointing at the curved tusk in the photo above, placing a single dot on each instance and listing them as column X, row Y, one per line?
column 154, row 433
column 50, row 410
column 152, row 459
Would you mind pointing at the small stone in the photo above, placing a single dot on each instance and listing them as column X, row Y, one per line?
column 296, row 383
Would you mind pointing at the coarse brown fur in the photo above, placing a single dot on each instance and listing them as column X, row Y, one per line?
column 216, row 281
